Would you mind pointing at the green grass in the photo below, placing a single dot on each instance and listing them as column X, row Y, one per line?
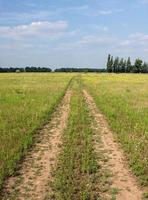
column 76, row 176
column 26, row 102
column 124, row 101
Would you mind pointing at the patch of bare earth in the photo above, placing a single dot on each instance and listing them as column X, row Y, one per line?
column 35, row 174
column 122, row 180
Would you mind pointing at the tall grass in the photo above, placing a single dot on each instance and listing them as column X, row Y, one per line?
column 124, row 101
column 26, row 102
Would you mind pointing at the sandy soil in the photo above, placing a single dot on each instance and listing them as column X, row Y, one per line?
column 122, row 178
column 35, row 174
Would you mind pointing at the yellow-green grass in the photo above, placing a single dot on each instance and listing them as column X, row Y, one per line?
column 26, row 102
column 124, row 101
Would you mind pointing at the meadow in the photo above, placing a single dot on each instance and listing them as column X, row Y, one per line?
column 26, row 102
column 123, row 99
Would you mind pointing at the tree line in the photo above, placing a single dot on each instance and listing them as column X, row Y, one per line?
column 80, row 70
column 120, row 65
column 26, row 69
column 44, row 69
column 114, row 65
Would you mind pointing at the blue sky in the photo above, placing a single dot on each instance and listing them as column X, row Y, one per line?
column 68, row 33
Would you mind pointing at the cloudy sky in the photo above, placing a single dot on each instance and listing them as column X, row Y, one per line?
column 71, row 33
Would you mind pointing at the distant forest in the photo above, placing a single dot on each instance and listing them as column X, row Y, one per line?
column 114, row 65
column 43, row 69
column 26, row 69
column 120, row 65
column 79, row 70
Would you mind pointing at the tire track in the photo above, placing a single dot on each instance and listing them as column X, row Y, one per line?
column 122, row 178
column 35, row 172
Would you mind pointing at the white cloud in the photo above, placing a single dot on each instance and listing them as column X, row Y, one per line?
column 146, row 50
column 75, row 8
column 95, row 39
column 15, row 46
column 87, row 41
column 125, row 43
column 141, row 37
column 43, row 15
column 105, row 12
column 137, row 42
column 108, row 12
column 102, row 28
column 40, row 14
column 41, row 28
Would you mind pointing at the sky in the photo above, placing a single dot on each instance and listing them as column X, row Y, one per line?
column 71, row 33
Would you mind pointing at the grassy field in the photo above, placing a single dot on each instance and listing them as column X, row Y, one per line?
column 124, row 101
column 26, row 102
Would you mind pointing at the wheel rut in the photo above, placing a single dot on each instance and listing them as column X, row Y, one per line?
column 122, row 178
column 35, row 173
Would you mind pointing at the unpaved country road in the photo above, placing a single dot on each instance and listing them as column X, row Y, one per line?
column 35, row 172
column 122, row 177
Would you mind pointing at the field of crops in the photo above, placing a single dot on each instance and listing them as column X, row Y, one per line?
column 89, row 108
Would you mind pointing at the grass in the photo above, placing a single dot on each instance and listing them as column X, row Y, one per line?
column 124, row 101
column 77, row 174
column 26, row 102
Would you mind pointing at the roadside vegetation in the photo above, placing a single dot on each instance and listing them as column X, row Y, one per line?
column 123, row 100
column 26, row 102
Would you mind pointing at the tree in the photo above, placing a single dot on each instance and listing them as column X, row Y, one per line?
column 109, row 63
column 144, row 68
column 138, row 65
column 129, row 65
column 116, row 64
column 122, row 65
